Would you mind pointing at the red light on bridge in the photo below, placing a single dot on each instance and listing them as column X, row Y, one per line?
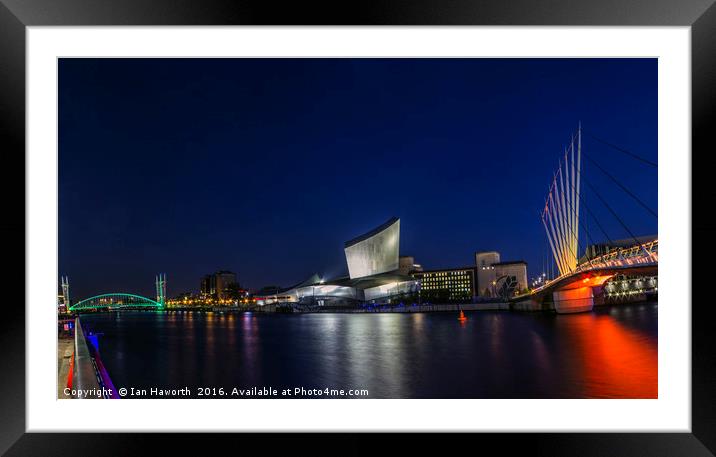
column 596, row 280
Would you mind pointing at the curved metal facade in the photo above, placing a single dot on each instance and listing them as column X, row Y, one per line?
column 375, row 252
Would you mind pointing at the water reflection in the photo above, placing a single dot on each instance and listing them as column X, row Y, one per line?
column 615, row 360
column 611, row 353
column 359, row 348
column 251, row 347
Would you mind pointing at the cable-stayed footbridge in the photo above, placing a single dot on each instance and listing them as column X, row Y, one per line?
column 581, row 279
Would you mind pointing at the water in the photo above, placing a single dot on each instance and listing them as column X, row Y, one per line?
column 609, row 353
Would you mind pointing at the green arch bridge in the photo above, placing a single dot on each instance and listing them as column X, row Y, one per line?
column 116, row 301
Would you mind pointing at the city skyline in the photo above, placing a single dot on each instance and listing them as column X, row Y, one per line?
column 239, row 164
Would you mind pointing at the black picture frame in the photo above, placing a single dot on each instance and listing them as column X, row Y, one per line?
column 16, row 15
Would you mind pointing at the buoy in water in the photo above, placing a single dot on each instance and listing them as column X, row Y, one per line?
column 462, row 317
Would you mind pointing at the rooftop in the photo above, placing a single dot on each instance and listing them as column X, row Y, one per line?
column 373, row 232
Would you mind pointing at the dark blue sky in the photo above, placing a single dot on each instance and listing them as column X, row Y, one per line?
column 266, row 166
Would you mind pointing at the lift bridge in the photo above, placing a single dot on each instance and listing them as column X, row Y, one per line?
column 122, row 300
column 580, row 280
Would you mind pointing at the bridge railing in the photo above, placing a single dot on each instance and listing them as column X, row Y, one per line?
column 641, row 254
column 115, row 300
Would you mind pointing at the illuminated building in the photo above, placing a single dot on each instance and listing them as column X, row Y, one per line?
column 373, row 274
column 61, row 308
column 216, row 284
column 208, row 285
column 484, row 262
column 223, row 280
column 630, row 287
column 374, row 252
column 499, row 279
column 456, row 285
column 510, row 278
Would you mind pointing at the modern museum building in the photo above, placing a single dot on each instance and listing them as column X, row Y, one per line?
column 373, row 274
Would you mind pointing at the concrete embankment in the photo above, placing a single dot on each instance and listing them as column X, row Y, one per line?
column 527, row 304
column 432, row 308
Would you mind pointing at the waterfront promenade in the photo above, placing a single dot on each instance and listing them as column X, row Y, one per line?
column 431, row 308
column 293, row 307
column 65, row 348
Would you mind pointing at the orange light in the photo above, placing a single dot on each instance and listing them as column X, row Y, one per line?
column 599, row 280
column 593, row 281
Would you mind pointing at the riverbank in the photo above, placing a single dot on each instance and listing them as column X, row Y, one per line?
column 432, row 308
column 414, row 308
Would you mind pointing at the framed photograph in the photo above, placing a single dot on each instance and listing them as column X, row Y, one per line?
column 406, row 220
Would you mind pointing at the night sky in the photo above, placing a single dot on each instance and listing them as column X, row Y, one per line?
column 266, row 166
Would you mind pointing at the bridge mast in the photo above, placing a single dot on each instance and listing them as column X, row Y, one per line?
column 160, row 281
column 577, row 189
column 65, row 291
column 562, row 208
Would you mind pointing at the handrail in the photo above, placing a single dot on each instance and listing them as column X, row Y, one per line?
column 640, row 254
column 84, row 377
column 140, row 300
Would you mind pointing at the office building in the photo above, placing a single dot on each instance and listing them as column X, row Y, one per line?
column 407, row 265
column 510, row 278
column 499, row 279
column 484, row 264
column 452, row 285
column 224, row 279
column 217, row 284
column 208, row 285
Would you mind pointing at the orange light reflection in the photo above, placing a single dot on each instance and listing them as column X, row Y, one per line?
column 614, row 356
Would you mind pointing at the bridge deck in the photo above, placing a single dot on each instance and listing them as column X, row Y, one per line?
column 641, row 259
